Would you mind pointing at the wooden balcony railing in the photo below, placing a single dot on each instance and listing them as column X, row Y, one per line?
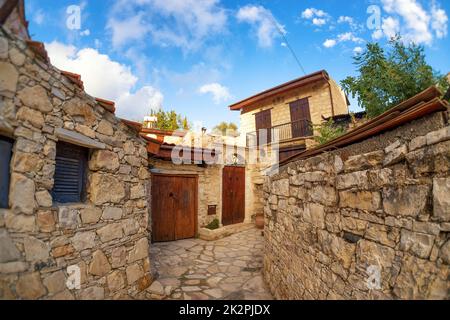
column 280, row 133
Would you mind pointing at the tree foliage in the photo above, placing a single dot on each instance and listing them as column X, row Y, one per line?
column 328, row 131
column 170, row 120
column 225, row 128
column 387, row 77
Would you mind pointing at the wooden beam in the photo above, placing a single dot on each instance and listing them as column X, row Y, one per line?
column 78, row 139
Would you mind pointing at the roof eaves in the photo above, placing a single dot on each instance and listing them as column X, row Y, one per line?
column 132, row 124
column 39, row 49
column 108, row 105
column 293, row 84
column 74, row 78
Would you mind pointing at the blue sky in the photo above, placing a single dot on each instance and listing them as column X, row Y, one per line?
column 199, row 56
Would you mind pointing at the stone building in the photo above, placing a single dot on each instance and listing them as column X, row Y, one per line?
column 366, row 216
column 290, row 111
column 222, row 190
column 73, row 177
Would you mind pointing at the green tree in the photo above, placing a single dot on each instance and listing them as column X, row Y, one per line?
column 328, row 131
column 170, row 120
column 387, row 77
column 225, row 128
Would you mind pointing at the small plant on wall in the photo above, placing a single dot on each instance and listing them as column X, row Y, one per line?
column 213, row 225
column 328, row 131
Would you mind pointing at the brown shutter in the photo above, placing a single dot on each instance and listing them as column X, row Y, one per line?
column 263, row 120
column 300, row 118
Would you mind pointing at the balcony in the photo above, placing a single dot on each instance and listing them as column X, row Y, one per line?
column 280, row 133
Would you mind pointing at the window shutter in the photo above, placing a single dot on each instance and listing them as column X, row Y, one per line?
column 70, row 173
column 263, row 120
column 5, row 160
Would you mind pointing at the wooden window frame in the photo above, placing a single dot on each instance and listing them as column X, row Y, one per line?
column 72, row 157
column 268, row 127
column 5, row 171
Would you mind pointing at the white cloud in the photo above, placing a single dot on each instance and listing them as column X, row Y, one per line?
column 358, row 50
column 220, row 93
column 317, row 17
column 127, row 30
column 390, row 27
column 345, row 19
column 343, row 37
column 185, row 24
column 39, row 17
column 351, row 22
column 329, row 43
column 349, row 36
column 136, row 105
column 263, row 21
column 439, row 20
column 105, row 78
column 319, row 21
column 413, row 21
column 377, row 34
column 86, row 32
column 313, row 12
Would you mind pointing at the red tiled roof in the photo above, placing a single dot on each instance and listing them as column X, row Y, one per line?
column 39, row 49
column 133, row 124
column 74, row 77
column 108, row 105
column 297, row 83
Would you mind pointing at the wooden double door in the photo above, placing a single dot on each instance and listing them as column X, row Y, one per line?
column 233, row 195
column 174, row 207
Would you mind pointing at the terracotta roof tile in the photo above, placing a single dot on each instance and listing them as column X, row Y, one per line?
column 107, row 104
column 74, row 77
column 39, row 49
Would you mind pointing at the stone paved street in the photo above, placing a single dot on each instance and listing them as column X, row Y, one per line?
column 194, row 269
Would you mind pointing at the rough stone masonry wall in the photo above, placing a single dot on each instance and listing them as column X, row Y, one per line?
column 332, row 216
column 106, row 237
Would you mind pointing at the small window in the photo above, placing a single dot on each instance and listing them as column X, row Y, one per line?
column 5, row 160
column 70, row 173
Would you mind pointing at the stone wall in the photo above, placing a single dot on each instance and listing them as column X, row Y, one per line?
column 106, row 236
column 335, row 220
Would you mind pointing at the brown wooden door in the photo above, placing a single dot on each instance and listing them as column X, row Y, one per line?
column 300, row 118
column 233, row 195
column 263, row 120
column 174, row 207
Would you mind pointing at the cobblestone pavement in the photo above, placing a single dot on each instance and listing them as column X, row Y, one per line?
column 194, row 269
